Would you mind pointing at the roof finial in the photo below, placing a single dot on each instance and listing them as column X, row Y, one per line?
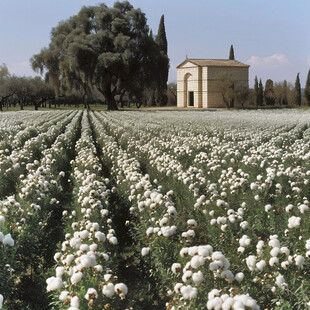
column 186, row 56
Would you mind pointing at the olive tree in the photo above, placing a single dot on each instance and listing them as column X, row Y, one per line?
column 108, row 49
column 226, row 86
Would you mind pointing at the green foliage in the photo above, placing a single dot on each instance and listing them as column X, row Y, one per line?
column 269, row 93
column 231, row 53
column 297, row 92
column 161, row 38
column 260, row 97
column 106, row 48
column 281, row 93
column 256, row 91
column 4, row 71
column 163, row 64
column 307, row 90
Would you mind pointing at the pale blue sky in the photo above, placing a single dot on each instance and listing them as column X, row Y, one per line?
column 273, row 36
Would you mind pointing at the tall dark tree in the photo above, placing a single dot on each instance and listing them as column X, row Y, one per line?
column 231, row 53
column 269, row 92
column 307, row 90
column 161, row 38
column 163, row 68
column 297, row 92
column 260, row 93
column 256, row 91
column 106, row 48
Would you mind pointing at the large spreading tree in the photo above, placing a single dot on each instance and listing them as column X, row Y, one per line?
column 108, row 49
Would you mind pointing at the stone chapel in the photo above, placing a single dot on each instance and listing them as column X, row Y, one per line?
column 198, row 81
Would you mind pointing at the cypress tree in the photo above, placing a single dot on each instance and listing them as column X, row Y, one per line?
column 307, row 90
column 163, row 66
column 284, row 101
column 297, row 91
column 161, row 38
column 231, row 53
column 260, row 93
column 256, row 90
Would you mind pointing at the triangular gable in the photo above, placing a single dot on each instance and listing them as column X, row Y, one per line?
column 211, row 63
column 186, row 64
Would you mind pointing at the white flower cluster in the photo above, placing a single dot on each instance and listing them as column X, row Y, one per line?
column 216, row 301
column 193, row 277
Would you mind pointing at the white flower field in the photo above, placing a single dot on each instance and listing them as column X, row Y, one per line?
column 155, row 210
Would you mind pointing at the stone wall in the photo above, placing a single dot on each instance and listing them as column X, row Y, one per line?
column 214, row 97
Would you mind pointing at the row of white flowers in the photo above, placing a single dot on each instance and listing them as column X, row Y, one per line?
column 39, row 180
column 83, row 261
column 16, row 126
column 15, row 130
column 14, row 163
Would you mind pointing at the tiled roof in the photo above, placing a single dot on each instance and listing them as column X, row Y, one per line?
column 214, row 63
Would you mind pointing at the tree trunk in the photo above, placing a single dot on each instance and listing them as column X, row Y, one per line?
column 112, row 106
column 225, row 101
column 85, row 102
column 109, row 96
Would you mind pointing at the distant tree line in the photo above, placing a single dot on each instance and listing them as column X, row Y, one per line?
column 24, row 91
column 273, row 94
column 281, row 94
